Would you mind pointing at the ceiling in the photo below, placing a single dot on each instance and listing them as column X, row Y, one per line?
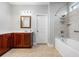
column 28, row 3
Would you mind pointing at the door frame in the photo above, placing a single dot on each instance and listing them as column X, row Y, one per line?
column 37, row 26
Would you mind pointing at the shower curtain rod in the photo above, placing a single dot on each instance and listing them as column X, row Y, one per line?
column 58, row 10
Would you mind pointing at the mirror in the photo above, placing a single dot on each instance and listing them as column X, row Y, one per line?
column 25, row 21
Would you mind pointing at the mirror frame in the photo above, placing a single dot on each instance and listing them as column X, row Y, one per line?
column 21, row 22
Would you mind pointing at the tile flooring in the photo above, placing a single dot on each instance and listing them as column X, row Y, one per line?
column 36, row 51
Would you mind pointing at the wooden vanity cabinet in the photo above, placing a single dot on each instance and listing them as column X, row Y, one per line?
column 4, row 43
column 15, row 40
column 22, row 40
column 18, row 39
column 7, row 41
column 1, row 48
column 27, row 40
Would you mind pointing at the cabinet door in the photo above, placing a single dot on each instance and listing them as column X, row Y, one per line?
column 18, row 37
column 27, row 40
column 11, row 40
column 1, row 38
column 1, row 48
column 0, row 42
column 6, row 41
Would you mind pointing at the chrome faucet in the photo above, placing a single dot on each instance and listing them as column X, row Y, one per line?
column 62, row 35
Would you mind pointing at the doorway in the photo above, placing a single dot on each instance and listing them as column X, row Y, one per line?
column 42, row 29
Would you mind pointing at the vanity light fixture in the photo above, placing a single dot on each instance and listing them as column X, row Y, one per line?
column 26, row 13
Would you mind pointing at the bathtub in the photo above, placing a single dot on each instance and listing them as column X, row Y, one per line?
column 68, row 48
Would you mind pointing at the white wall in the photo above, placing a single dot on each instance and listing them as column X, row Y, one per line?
column 5, row 17
column 35, row 9
column 54, row 21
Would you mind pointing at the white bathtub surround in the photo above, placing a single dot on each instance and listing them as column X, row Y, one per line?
column 55, row 26
column 73, row 43
column 70, row 48
column 67, row 49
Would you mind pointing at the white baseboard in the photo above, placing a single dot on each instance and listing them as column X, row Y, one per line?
column 34, row 43
column 50, row 45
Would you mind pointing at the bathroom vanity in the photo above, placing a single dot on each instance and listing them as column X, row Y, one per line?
column 22, row 40
column 15, row 40
column 5, row 43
